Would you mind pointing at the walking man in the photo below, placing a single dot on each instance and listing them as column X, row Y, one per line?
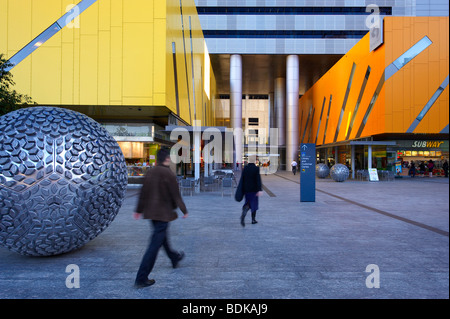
column 159, row 198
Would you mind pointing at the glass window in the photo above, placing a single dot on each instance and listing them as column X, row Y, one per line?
column 33, row 45
column 412, row 52
column 253, row 121
column 49, row 32
column 317, row 10
column 431, row 102
column 285, row 34
column 129, row 129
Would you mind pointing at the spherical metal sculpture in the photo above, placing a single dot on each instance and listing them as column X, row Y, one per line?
column 322, row 170
column 339, row 172
column 62, row 180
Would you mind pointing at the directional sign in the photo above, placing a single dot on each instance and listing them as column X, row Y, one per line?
column 308, row 172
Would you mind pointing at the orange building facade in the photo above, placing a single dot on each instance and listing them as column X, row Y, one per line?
column 386, row 107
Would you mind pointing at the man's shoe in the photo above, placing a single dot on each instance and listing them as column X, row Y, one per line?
column 254, row 222
column 180, row 257
column 144, row 284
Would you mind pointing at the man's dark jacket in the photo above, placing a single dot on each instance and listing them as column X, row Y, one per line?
column 160, row 195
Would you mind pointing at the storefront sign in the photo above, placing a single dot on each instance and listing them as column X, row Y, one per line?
column 427, row 144
column 424, row 144
column 398, row 168
column 373, row 175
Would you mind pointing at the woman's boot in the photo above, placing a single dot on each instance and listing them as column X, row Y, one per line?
column 253, row 218
column 245, row 209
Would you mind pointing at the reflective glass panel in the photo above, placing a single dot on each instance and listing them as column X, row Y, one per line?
column 412, row 52
column 33, row 45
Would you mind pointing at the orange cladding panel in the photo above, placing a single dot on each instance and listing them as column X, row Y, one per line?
column 411, row 88
column 376, row 105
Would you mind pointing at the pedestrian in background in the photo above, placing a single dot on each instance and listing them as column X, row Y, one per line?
column 251, row 188
column 430, row 167
column 412, row 169
column 294, row 167
column 160, row 196
column 445, row 167
column 422, row 168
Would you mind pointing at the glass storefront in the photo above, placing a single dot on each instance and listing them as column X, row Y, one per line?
column 136, row 141
column 420, row 153
column 395, row 158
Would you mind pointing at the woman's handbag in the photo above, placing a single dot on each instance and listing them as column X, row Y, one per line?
column 239, row 195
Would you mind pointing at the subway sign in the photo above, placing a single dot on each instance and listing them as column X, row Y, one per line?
column 427, row 144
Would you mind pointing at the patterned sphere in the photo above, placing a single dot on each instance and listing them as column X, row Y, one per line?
column 63, row 178
column 322, row 170
column 339, row 172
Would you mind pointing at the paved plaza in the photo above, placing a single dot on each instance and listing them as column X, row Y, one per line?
column 315, row 250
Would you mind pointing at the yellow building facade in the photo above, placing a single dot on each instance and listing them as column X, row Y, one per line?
column 115, row 53
column 134, row 66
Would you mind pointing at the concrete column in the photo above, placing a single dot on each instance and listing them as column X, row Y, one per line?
column 236, row 104
column 369, row 156
column 271, row 113
column 353, row 161
column 197, row 132
column 336, row 154
column 292, row 90
column 280, row 109
column 206, row 166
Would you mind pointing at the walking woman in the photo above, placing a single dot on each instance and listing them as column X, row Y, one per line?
column 252, row 189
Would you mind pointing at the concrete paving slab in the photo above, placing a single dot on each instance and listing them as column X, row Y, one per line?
column 297, row 250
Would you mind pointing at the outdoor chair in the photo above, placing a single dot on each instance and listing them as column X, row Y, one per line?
column 209, row 183
column 186, row 184
column 390, row 176
column 362, row 175
column 227, row 184
column 232, row 176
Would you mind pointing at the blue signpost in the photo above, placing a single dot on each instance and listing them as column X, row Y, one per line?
column 308, row 172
